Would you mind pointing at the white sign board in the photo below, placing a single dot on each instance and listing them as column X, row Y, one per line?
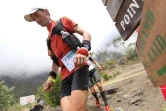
column 27, row 99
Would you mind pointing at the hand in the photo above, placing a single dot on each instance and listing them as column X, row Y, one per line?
column 99, row 67
column 80, row 60
column 48, row 85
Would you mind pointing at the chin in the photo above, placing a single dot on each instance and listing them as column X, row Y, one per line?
column 42, row 25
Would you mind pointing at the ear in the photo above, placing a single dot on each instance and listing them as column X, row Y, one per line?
column 46, row 10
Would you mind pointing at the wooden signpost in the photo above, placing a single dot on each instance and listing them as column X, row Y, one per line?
column 129, row 17
column 105, row 2
column 114, row 7
column 126, row 14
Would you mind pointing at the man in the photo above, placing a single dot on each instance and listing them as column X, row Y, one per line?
column 93, row 75
column 74, row 88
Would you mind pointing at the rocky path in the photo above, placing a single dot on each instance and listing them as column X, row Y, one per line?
column 135, row 92
column 130, row 91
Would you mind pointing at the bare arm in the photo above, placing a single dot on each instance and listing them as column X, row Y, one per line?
column 48, row 83
column 80, row 59
column 54, row 67
column 86, row 35
column 94, row 62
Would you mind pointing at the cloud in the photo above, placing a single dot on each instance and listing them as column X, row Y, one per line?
column 23, row 45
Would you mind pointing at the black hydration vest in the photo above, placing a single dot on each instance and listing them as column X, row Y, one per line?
column 72, row 40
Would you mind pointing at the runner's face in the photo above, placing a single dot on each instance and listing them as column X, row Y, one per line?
column 41, row 17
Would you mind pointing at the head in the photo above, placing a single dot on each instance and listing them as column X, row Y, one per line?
column 90, row 53
column 49, row 53
column 40, row 15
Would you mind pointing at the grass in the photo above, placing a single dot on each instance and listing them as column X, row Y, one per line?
column 18, row 107
column 163, row 108
column 106, row 77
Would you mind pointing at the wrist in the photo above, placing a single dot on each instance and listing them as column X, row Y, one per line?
column 82, row 51
column 86, row 44
column 52, row 79
column 52, row 74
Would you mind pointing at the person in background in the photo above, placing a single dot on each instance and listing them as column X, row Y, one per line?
column 94, row 77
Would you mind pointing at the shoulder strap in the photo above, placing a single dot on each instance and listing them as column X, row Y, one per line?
column 56, row 30
column 76, row 39
column 63, row 27
column 58, row 27
column 53, row 57
column 72, row 41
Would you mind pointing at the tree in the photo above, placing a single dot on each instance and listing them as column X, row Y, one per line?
column 104, row 55
column 52, row 98
column 127, row 50
column 6, row 97
column 119, row 43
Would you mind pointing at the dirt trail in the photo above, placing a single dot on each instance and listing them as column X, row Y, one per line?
column 134, row 78
column 131, row 71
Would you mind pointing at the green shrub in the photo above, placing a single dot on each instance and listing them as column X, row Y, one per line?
column 52, row 98
column 6, row 97
column 110, row 62
column 163, row 108
column 106, row 77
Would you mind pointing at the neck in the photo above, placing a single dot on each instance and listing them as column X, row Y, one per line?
column 49, row 23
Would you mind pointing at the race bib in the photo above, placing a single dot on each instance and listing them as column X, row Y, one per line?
column 68, row 60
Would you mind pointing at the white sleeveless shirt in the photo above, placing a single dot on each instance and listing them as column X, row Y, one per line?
column 91, row 65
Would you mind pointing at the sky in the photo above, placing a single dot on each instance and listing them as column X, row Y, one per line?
column 23, row 45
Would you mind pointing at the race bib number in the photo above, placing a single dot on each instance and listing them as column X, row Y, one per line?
column 68, row 60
